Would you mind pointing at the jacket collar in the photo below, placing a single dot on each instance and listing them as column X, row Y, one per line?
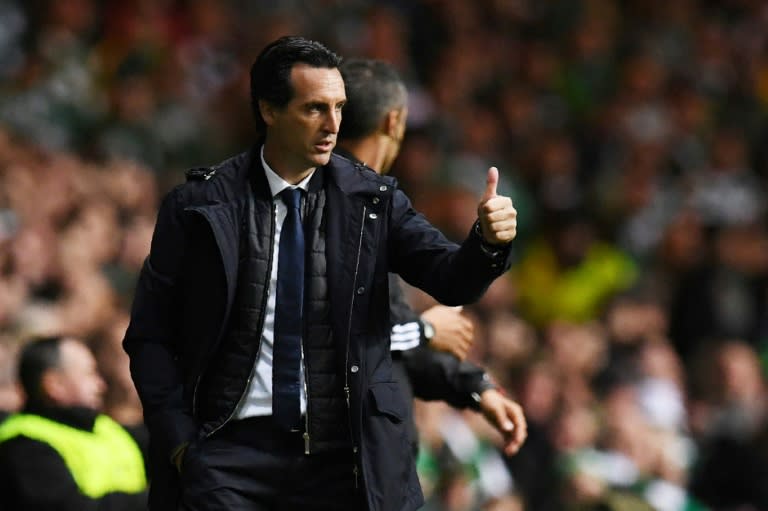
column 349, row 174
column 354, row 177
column 340, row 151
column 232, row 176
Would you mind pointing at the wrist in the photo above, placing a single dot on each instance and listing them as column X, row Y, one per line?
column 482, row 387
column 427, row 331
column 489, row 249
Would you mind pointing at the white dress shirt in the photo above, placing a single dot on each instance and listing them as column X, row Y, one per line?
column 257, row 399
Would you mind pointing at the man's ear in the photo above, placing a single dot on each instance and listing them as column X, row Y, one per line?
column 267, row 111
column 51, row 388
column 391, row 123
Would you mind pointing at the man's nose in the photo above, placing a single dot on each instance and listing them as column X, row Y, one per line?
column 333, row 121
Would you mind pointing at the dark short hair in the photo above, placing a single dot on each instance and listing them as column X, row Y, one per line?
column 38, row 356
column 373, row 89
column 271, row 72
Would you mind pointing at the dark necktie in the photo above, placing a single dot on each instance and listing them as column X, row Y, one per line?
column 286, row 361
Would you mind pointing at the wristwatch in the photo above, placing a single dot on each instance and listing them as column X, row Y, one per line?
column 427, row 331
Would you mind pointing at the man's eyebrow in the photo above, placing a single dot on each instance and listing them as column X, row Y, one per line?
column 323, row 103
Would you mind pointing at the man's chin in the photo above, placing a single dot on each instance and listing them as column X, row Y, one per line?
column 321, row 159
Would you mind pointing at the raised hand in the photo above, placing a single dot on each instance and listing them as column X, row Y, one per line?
column 498, row 218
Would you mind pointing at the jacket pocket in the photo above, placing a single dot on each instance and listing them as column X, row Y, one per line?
column 388, row 400
column 387, row 459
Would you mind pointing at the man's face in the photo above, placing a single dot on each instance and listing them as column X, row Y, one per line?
column 76, row 382
column 302, row 134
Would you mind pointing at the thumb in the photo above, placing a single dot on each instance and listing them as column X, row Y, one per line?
column 490, row 184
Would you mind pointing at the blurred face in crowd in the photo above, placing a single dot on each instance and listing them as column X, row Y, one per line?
column 740, row 372
column 76, row 381
column 302, row 134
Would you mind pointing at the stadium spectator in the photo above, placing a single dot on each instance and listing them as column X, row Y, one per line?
column 60, row 452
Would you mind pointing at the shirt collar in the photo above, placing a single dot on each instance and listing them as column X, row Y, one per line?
column 276, row 183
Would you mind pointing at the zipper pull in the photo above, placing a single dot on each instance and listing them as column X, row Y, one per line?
column 355, row 471
column 346, row 393
column 306, row 442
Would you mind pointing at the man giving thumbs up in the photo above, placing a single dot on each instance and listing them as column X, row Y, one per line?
column 497, row 217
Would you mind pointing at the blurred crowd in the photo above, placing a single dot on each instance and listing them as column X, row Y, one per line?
column 631, row 135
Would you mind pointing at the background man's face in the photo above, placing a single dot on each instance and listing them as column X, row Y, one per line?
column 302, row 134
column 396, row 141
column 78, row 380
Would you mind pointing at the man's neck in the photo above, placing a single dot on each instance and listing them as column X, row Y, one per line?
column 284, row 169
column 368, row 150
column 78, row 416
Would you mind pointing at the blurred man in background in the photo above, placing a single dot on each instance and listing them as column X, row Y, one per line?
column 428, row 350
column 60, row 453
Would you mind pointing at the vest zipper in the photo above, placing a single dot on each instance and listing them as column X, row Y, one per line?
column 259, row 330
column 305, row 435
column 355, row 469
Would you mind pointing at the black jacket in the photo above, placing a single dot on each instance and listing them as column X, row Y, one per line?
column 34, row 477
column 186, row 289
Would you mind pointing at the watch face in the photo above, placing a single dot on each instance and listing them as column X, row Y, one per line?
column 429, row 331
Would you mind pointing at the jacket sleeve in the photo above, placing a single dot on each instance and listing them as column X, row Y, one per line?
column 406, row 332
column 152, row 333
column 435, row 376
column 441, row 376
column 453, row 274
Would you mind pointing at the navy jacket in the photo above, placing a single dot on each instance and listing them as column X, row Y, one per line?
column 186, row 289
